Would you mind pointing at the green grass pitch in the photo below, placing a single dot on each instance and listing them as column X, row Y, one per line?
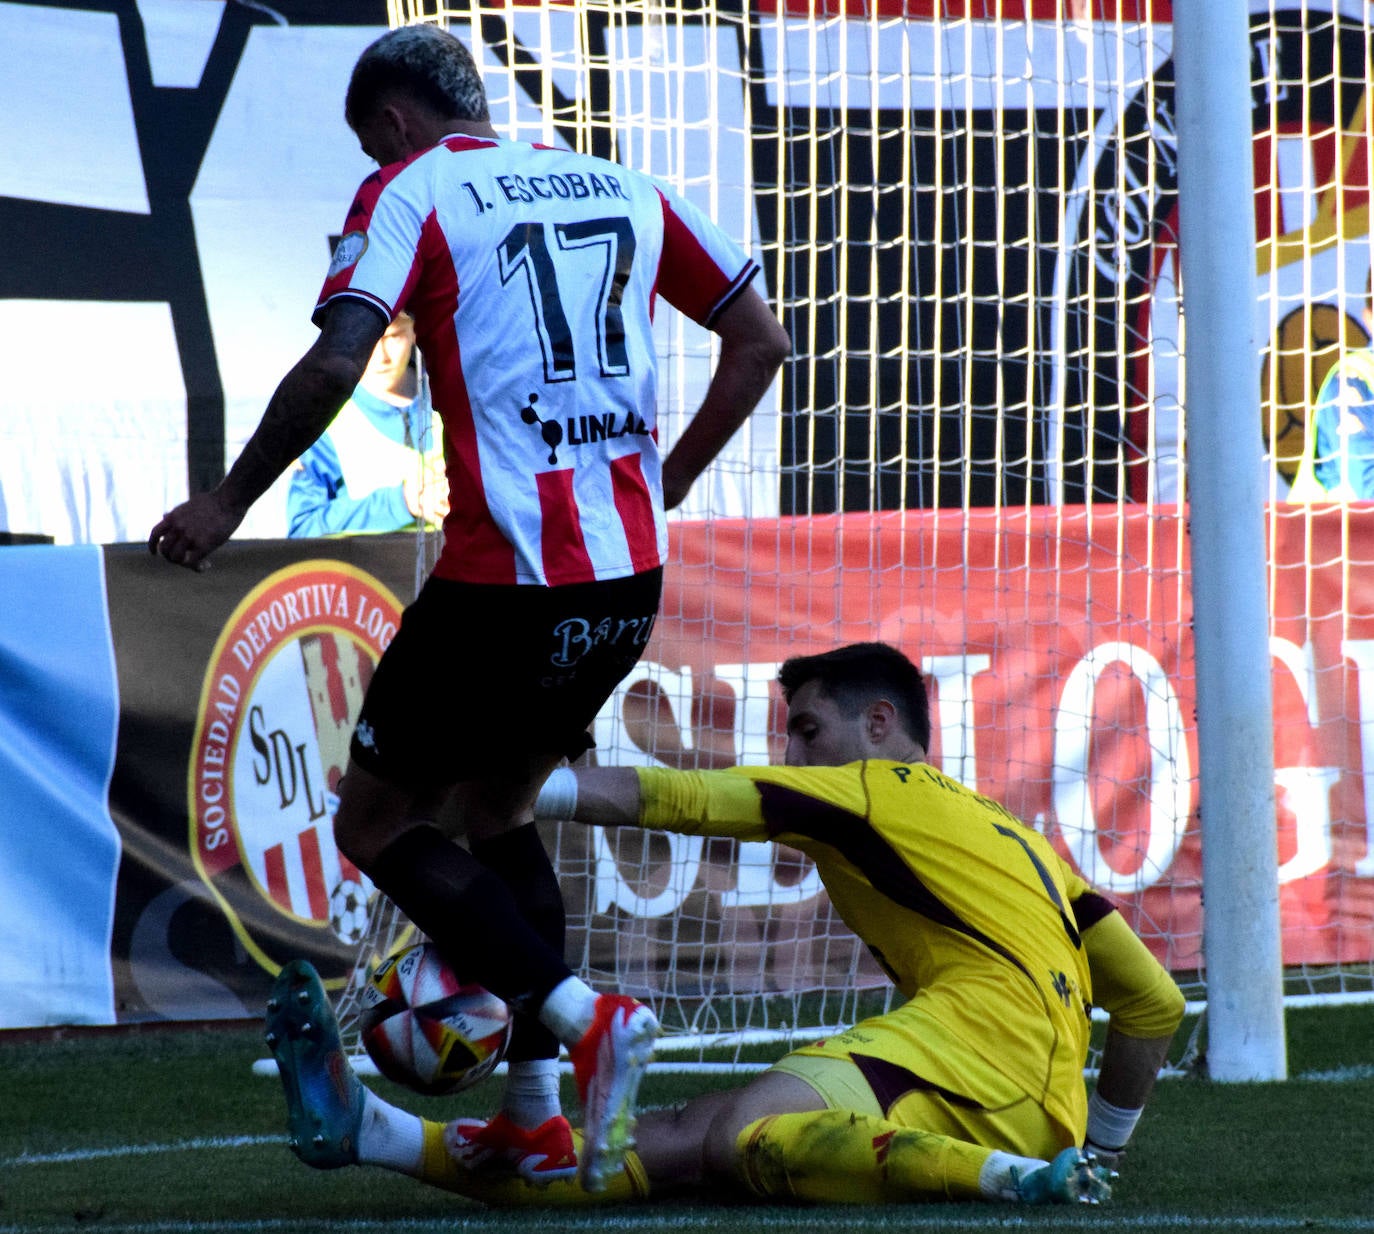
column 168, row 1130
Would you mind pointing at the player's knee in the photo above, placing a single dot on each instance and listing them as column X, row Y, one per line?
column 718, row 1159
column 370, row 815
column 354, row 842
column 350, row 834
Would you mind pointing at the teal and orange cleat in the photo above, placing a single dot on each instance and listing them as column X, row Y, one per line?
column 324, row 1098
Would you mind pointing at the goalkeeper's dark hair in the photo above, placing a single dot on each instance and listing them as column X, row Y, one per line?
column 859, row 674
column 425, row 62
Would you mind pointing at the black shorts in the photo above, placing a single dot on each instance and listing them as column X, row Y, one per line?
column 481, row 675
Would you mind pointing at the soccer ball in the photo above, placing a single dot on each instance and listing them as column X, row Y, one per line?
column 348, row 911
column 428, row 1030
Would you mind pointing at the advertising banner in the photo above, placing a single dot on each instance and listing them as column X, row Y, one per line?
column 238, row 688
column 1067, row 693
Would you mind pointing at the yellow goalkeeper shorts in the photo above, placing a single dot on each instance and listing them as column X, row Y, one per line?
column 876, row 1069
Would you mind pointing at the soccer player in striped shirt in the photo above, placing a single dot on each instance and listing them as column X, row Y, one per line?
column 533, row 275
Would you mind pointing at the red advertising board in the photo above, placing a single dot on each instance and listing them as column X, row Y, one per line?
column 1057, row 643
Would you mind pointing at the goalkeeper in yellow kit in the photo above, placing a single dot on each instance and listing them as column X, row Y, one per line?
column 973, row 1087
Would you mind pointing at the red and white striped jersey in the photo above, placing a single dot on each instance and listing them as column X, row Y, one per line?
column 532, row 275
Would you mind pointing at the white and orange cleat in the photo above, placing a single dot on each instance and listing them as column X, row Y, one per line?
column 501, row 1148
column 608, row 1064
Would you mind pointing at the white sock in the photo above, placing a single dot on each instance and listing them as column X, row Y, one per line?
column 994, row 1179
column 531, row 1096
column 568, row 1011
column 390, row 1137
column 1110, row 1126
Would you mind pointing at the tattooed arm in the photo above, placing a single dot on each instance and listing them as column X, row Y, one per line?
column 305, row 402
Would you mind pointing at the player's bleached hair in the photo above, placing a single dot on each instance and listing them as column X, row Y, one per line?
column 858, row 674
column 423, row 61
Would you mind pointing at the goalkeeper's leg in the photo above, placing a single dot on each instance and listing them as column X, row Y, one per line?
column 780, row 1140
column 439, row 1165
column 841, row 1156
column 395, row 1139
column 826, row 1138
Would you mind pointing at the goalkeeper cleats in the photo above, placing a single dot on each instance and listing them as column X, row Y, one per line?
column 324, row 1099
column 501, row 1148
column 1073, row 1177
column 608, row 1064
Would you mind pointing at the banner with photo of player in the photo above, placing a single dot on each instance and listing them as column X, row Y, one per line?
column 1069, row 697
column 1043, row 132
column 175, row 229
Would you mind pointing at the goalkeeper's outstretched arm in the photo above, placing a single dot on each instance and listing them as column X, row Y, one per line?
column 1145, row 1007
column 607, row 796
column 720, row 803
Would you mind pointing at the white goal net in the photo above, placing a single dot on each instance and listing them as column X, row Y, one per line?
column 966, row 214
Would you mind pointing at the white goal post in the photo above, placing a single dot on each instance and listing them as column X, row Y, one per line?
column 1243, row 942
column 967, row 214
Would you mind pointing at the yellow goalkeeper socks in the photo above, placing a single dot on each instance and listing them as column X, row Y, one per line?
column 837, row 1156
column 439, row 1169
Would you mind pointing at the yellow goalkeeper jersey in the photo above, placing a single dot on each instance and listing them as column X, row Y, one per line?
column 967, row 909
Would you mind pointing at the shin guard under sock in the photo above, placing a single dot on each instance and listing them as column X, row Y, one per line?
column 520, row 860
column 470, row 915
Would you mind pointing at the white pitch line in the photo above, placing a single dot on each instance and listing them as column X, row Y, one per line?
column 141, row 1150
column 781, row 1219
column 1340, row 1075
column 1076, row 1218
column 643, row 1219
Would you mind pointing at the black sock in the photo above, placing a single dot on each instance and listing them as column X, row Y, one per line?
column 470, row 915
column 520, row 860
